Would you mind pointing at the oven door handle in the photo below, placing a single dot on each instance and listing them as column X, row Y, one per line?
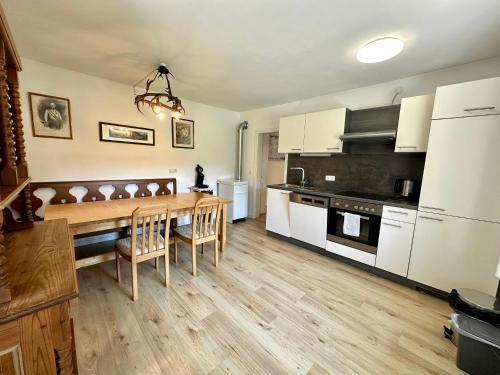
column 362, row 217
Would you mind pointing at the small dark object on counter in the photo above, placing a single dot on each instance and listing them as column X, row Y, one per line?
column 200, row 177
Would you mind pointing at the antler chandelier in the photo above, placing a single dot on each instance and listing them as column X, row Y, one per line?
column 158, row 101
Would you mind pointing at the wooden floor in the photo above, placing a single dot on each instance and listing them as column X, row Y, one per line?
column 269, row 308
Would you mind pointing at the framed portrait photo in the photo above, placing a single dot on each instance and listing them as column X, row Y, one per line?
column 109, row 132
column 182, row 133
column 50, row 116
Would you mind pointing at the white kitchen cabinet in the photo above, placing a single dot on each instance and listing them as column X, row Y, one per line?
column 462, row 174
column 291, row 134
column 394, row 246
column 399, row 214
column 308, row 224
column 323, row 129
column 468, row 99
column 278, row 215
column 351, row 253
column 414, row 124
column 451, row 252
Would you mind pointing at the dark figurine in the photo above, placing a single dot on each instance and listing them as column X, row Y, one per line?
column 200, row 177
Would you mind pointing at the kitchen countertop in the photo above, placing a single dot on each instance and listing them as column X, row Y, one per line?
column 394, row 202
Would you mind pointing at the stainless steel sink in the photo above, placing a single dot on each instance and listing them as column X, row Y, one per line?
column 298, row 187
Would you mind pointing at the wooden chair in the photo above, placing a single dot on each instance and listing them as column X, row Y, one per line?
column 204, row 228
column 149, row 244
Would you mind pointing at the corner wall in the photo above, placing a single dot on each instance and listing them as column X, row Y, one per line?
column 94, row 99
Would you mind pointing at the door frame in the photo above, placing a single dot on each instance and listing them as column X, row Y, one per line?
column 257, row 157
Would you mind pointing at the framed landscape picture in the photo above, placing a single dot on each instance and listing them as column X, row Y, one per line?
column 182, row 133
column 50, row 116
column 109, row 132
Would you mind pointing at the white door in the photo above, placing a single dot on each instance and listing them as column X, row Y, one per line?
column 308, row 224
column 451, row 252
column 278, row 217
column 414, row 123
column 462, row 168
column 394, row 246
column 291, row 134
column 323, row 130
column 474, row 98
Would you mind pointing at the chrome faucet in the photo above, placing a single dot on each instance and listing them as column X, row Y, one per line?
column 303, row 181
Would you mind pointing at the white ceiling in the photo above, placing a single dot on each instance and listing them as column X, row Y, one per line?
column 244, row 54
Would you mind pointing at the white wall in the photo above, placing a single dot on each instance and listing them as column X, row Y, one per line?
column 86, row 158
column 267, row 119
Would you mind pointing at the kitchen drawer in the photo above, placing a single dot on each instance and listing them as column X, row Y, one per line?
column 351, row 253
column 474, row 98
column 399, row 214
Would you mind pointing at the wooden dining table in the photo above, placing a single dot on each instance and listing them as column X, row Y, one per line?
column 91, row 217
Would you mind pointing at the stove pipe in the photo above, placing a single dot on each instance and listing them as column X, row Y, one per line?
column 241, row 127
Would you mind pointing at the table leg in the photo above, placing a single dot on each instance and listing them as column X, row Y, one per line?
column 223, row 228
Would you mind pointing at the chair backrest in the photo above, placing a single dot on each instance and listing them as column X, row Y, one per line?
column 149, row 219
column 206, row 218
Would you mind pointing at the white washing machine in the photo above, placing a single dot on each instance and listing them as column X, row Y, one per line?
column 237, row 192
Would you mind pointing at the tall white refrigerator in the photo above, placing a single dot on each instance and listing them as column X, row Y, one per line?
column 457, row 234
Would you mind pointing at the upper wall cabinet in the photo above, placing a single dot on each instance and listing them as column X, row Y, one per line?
column 291, row 138
column 323, row 129
column 468, row 99
column 414, row 124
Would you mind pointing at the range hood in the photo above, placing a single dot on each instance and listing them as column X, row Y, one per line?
column 374, row 136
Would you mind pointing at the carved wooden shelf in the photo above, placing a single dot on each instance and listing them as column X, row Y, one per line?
column 41, row 268
column 9, row 193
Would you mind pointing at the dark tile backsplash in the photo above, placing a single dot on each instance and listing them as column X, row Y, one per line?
column 374, row 173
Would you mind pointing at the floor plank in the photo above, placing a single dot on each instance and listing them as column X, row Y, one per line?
column 270, row 307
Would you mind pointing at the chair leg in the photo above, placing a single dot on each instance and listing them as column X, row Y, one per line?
column 135, row 291
column 175, row 249
column 203, row 248
column 157, row 264
column 216, row 252
column 167, row 270
column 193, row 255
column 117, row 262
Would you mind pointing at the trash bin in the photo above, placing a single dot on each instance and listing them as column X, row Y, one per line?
column 478, row 345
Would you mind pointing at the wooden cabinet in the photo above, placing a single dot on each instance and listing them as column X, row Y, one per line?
column 291, row 134
column 323, row 129
column 308, row 224
column 394, row 246
column 36, row 332
column 451, row 252
column 468, row 99
column 414, row 124
column 278, row 215
column 461, row 176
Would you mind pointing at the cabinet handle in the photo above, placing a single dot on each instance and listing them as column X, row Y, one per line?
column 478, row 109
column 433, row 208
column 398, row 212
column 392, row 225
column 430, row 218
column 333, row 148
column 406, row 147
column 295, row 149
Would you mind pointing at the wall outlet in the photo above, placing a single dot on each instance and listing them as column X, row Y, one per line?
column 329, row 178
column 173, row 170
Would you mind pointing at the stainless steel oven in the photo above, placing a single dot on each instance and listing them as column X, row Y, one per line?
column 370, row 217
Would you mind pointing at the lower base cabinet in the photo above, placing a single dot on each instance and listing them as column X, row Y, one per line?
column 39, row 343
column 394, row 246
column 278, row 215
column 451, row 252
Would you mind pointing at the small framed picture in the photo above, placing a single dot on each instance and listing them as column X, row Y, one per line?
column 182, row 133
column 50, row 116
column 109, row 132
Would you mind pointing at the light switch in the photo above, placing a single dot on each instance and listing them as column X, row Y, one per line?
column 173, row 170
column 329, row 178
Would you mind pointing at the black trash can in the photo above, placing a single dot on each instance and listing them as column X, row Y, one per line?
column 478, row 345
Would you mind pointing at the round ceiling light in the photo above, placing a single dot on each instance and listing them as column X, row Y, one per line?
column 380, row 50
